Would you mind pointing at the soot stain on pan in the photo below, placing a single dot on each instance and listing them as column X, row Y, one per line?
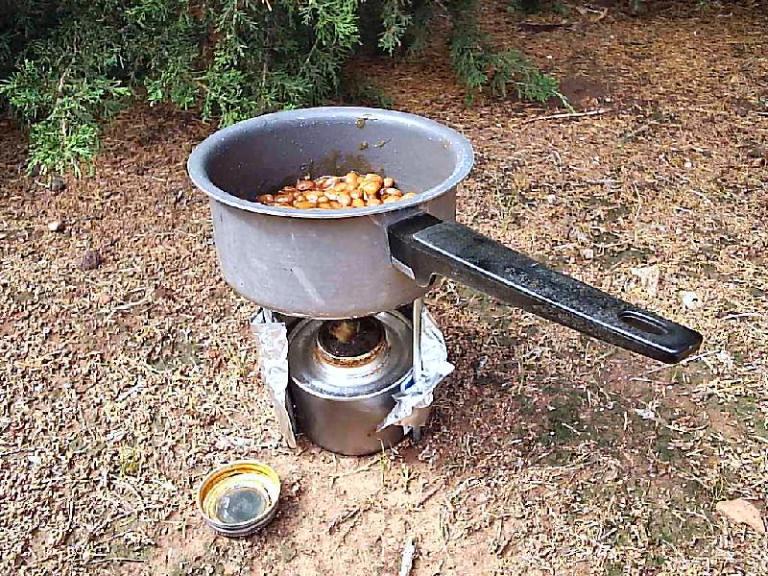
column 334, row 163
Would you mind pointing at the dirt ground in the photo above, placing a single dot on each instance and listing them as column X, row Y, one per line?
column 126, row 379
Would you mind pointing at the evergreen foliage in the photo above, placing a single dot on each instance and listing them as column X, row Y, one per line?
column 66, row 66
column 478, row 65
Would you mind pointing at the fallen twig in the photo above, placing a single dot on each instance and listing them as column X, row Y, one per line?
column 742, row 315
column 599, row 16
column 406, row 563
column 339, row 520
column 686, row 361
column 634, row 133
column 364, row 468
column 501, row 549
column 15, row 451
column 429, row 495
column 542, row 26
column 117, row 559
column 567, row 115
column 67, row 529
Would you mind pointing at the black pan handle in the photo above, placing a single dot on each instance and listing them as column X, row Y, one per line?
column 422, row 245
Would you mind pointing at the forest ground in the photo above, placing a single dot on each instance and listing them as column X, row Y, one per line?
column 127, row 377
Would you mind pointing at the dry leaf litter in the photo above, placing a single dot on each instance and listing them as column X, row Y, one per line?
column 549, row 453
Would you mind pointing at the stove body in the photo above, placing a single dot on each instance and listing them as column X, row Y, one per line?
column 344, row 375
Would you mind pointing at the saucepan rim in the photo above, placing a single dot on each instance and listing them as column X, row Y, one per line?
column 208, row 148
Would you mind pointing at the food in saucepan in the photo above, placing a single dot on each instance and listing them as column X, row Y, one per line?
column 335, row 192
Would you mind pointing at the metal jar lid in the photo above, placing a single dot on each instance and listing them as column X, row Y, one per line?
column 377, row 356
column 240, row 498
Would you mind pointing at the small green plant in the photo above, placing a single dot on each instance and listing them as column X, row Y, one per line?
column 635, row 6
column 560, row 8
column 525, row 6
column 130, row 459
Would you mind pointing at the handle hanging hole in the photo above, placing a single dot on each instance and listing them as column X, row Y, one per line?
column 642, row 323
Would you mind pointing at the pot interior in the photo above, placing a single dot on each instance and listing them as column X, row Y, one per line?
column 261, row 155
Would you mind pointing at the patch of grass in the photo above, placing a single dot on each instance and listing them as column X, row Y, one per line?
column 527, row 406
column 745, row 407
column 651, row 516
column 662, row 444
column 629, row 256
column 512, row 199
column 179, row 351
column 747, row 410
column 490, row 313
column 692, row 374
column 761, row 427
column 665, row 526
column 563, row 422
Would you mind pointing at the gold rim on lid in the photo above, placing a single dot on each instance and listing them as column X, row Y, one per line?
column 239, row 498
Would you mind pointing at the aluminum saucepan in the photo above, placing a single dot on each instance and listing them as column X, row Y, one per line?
column 359, row 261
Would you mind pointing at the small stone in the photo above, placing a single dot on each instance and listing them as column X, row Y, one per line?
column 646, row 413
column 649, row 278
column 690, row 300
column 57, row 184
column 743, row 512
column 91, row 260
column 588, row 253
column 55, row 226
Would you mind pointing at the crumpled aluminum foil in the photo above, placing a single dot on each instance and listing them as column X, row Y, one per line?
column 272, row 343
column 411, row 403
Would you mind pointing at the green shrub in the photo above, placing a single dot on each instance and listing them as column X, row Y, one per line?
column 478, row 65
column 66, row 66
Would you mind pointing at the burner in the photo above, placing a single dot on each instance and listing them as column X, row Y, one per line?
column 351, row 342
column 343, row 375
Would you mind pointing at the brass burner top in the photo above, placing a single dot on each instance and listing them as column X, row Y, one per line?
column 351, row 342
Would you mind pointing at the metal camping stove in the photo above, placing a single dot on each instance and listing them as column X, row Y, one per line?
column 345, row 378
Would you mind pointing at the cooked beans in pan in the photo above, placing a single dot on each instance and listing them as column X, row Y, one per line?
column 334, row 192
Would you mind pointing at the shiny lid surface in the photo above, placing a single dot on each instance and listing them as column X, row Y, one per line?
column 238, row 499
